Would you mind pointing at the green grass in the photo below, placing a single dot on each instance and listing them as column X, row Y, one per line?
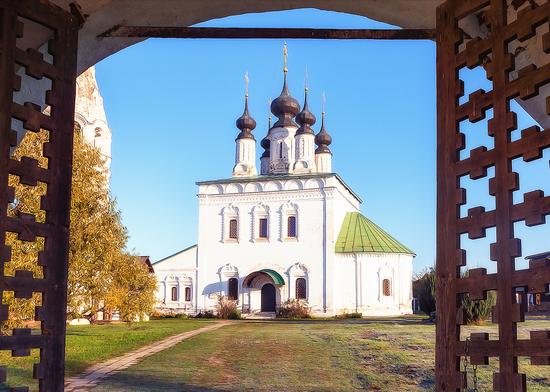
column 342, row 355
column 90, row 344
column 384, row 354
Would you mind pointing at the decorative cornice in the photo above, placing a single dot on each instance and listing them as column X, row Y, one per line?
column 313, row 194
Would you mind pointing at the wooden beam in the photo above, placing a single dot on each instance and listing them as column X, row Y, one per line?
column 265, row 33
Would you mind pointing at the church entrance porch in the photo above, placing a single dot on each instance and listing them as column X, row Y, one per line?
column 262, row 291
column 268, row 298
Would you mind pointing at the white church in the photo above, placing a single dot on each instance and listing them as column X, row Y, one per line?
column 293, row 230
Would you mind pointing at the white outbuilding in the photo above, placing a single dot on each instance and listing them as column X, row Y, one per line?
column 293, row 231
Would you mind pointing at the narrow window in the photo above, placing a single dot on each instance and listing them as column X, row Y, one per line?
column 233, row 289
column 281, row 150
column 263, row 228
column 233, row 229
column 301, row 288
column 291, row 227
column 386, row 287
column 188, row 294
column 174, row 293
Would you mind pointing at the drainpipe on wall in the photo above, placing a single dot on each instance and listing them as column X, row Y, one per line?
column 356, row 283
column 324, row 250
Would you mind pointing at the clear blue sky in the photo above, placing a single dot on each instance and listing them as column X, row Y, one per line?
column 172, row 106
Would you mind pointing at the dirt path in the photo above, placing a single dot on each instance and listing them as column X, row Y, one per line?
column 93, row 375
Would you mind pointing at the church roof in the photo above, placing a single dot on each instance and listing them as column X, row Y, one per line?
column 360, row 235
column 175, row 254
column 147, row 261
column 539, row 256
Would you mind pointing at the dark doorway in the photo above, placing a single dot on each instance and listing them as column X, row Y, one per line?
column 233, row 289
column 268, row 298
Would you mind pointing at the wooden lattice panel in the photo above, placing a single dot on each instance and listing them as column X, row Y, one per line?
column 491, row 50
column 37, row 91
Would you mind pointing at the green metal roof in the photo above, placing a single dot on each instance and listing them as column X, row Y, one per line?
column 360, row 235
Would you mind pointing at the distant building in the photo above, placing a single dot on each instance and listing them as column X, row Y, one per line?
column 147, row 261
column 294, row 230
column 539, row 301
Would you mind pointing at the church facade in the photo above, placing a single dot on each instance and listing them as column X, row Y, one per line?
column 290, row 229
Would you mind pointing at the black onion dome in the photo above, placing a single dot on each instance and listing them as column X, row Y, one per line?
column 266, row 145
column 306, row 119
column 323, row 139
column 246, row 123
column 285, row 107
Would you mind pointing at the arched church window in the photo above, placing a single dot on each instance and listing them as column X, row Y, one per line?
column 291, row 227
column 281, row 150
column 188, row 294
column 301, row 292
column 174, row 293
column 98, row 132
column 263, row 228
column 233, row 229
column 386, row 287
column 233, row 289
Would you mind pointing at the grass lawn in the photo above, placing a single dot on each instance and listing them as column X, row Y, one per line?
column 89, row 344
column 347, row 355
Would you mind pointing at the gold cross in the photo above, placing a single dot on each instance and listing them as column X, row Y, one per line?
column 285, row 54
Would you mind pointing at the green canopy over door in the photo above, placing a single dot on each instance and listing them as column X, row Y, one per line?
column 273, row 275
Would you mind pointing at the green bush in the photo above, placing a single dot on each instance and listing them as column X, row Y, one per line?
column 478, row 311
column 424, row 292
column 168, row 315
column 294, row 309
column 227, row 308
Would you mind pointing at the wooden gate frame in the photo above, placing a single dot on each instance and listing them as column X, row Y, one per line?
column 58, row 65
column 455, row 50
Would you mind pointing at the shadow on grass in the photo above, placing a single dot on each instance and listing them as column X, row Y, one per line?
column 126, row 382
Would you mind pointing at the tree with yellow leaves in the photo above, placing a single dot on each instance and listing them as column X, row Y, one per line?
column 101, row 272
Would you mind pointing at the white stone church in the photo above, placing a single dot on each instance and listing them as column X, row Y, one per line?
column 294, row 230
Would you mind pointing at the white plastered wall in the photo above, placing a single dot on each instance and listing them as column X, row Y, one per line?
column 311, row 199
column 359, row 279
column 180, row 271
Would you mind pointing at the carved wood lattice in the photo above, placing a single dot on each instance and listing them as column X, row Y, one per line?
column 492, row 51
column 37, row 91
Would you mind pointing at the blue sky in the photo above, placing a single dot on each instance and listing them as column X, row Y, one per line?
column 172, row 106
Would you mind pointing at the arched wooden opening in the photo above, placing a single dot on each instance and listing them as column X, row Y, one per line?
column 174, row 293
column 291, row 226
column 386, row 287
column 233, row 229
column 269, row 299
column 188, row 294
column 301, row 288
column 233, row 289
